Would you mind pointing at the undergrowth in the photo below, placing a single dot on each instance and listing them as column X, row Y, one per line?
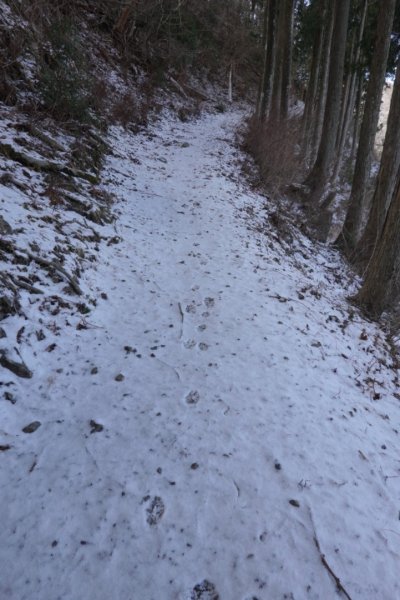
column 276, row 151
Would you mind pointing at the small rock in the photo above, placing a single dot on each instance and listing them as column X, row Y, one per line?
column 94, row 371
column 104, row 296
column 10, row 397
column 295, row 503
column 95, row 427
column 278, row 466
column 5, row 228
column 4, row 447
column 2, row 333
column 119, row 377
column 194, row 466
column 32, row 427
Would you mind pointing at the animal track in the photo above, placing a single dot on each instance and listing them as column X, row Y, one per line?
column 189, row 344
column 204, row 591
column 193, row 397
column 209, row 302
column 155, row 511
column 203, row 346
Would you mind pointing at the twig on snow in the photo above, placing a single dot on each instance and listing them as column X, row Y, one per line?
column 339, row 584
column 182, row 316
column 170, row 367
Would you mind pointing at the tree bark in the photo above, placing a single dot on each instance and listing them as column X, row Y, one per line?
column 359, row 201
column 358, row 111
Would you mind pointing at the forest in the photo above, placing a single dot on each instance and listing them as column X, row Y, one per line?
column 332, row 145
column 199, row 299
column 314, row 71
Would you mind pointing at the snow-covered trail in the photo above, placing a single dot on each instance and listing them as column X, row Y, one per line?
column 220, row 411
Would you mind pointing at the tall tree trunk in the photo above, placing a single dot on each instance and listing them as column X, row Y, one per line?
column 312, row 88
column 388, row 172
column 230, row 84
column 261, row 88
column 269, row 60
column 359, row 201
column 279, row 57
column 381, row 288
column 287, row 36
column 350, row 95
column 323, row 165
column 358, row 111
column 346, row 90
column 318, row 121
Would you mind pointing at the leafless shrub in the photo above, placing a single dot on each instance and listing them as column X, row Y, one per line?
column 125, row 110
column 275, row 149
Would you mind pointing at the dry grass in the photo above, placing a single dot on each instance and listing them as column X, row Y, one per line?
column 125, row 110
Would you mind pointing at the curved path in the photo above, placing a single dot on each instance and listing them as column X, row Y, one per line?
column 220, row 420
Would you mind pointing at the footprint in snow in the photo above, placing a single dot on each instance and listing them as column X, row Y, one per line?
column 204, row 591
column 209, row 302
column 155, row 511
column 189, row 344
column 192, row 397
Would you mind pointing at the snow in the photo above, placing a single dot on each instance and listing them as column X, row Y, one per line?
column 221, row 407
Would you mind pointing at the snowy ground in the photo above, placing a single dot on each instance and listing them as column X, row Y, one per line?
column 219, row 421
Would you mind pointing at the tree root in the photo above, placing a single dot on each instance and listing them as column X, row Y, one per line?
column 46, row 166
column 53, row 264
